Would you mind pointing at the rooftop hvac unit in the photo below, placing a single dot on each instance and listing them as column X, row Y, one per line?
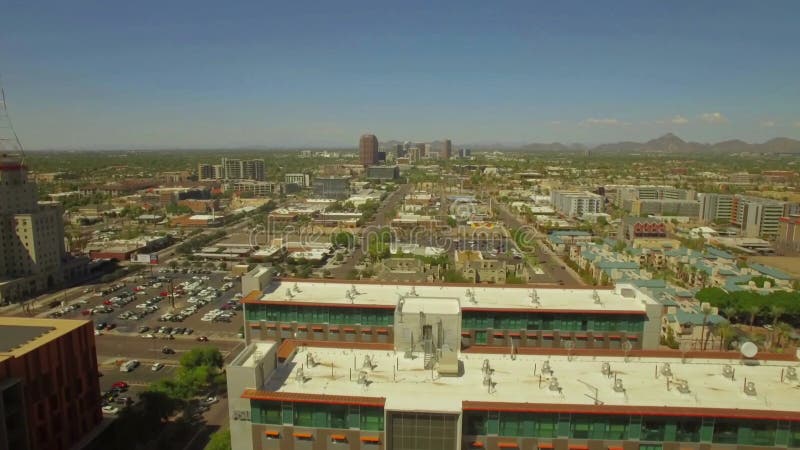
column 546, row 370
column 606, row 369
column 727, row 371
column 618, row 387
column 750, row 388
column 666, row 370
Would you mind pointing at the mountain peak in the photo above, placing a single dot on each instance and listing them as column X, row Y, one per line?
column 669, row 137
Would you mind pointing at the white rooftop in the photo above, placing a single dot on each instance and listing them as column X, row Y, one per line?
column 518, row 381
column 416, row 305
column 501, row 297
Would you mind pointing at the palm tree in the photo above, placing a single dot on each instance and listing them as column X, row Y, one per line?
column 776, row 312
column 752, row 311
column 704, row 331
column 725, row 332
column 782, row 329
column 730, row 313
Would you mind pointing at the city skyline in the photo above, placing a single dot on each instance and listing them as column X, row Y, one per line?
column 205, row 76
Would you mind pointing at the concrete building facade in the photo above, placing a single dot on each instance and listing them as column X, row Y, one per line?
column 247, row 169
column 301, row 179
column 756, row 216
column 788, row 240
column 576, row 203
column 32, row 249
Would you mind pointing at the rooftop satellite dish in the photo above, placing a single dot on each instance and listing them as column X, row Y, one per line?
column 748, row 350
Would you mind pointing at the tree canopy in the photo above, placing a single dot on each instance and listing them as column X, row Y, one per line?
column 762, row 308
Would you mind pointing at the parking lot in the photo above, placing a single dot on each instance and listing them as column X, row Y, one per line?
column 180, row 302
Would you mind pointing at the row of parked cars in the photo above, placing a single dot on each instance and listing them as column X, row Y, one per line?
column 112, row 401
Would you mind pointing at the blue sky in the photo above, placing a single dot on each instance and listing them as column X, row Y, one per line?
column 111, row 74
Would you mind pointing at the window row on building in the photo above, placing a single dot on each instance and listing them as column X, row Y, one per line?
column 320, row 314
column 471, row 320
column 316, row 415
column 641, row 428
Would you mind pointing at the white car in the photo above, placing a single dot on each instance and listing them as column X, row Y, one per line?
column 210, row 400
column 148, row 336
column 157, row 366
column 108, row 409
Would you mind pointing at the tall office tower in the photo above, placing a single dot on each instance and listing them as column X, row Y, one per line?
column 398, row 151
column 447, row 150
column 420, row 149
column 368, row 149
column 31, row 235
column 407, row 148
column 428, row 149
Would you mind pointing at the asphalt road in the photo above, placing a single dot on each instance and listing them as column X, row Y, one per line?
column 555, row 269
column 379, row 220
column 112, row 348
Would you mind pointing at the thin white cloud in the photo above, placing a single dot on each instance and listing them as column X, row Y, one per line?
column 713, row 118
column 554, row 122
column 768, row 124
column 679, row 120
column 605, row 121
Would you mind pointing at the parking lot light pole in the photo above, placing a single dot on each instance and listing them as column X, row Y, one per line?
column 172, row 294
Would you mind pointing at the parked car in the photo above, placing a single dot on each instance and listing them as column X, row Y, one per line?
column 108, row 409
column 202, row 339
column 157, row 366
column 167, row 351
column 120, row 385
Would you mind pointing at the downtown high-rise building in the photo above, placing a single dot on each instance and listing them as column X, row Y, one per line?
column 32, row 251
column 368, row 149
column 447, row 150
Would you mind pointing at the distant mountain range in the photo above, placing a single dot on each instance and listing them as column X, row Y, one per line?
column 670, row 143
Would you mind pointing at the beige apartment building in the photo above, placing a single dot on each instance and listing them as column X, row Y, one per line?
column 31, row 236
